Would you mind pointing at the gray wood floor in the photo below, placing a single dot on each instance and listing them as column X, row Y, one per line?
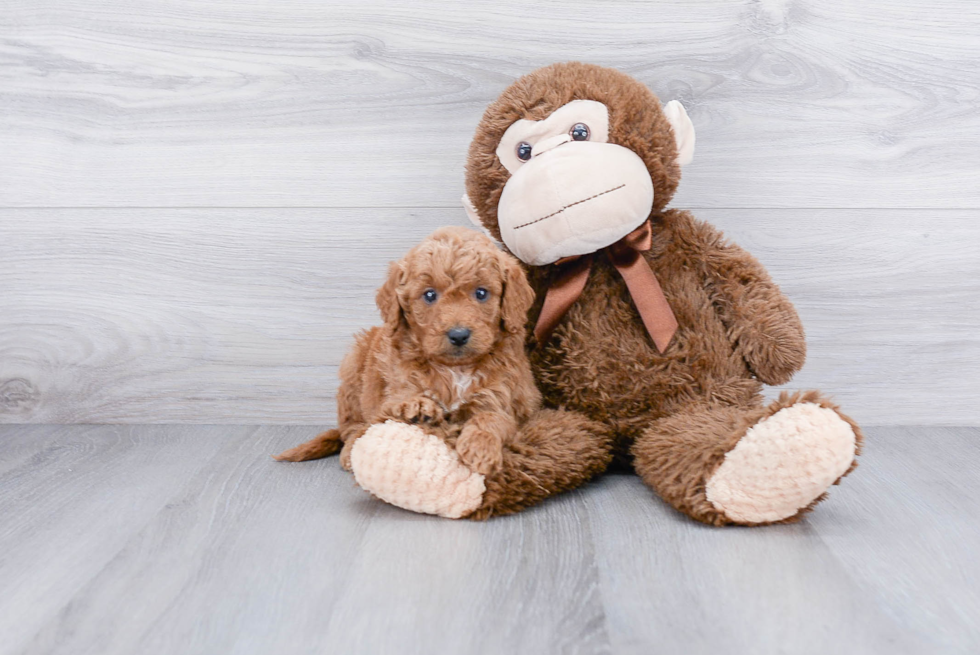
column 180, row 539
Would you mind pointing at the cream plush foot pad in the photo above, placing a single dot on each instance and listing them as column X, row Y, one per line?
column 404, row 466
column 782, row 464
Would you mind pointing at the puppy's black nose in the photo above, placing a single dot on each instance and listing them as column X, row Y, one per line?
column 458, row 336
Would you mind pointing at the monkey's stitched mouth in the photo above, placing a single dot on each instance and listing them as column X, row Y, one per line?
column 577, row 202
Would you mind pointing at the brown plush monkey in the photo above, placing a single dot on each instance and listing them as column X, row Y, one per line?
column 652, row 335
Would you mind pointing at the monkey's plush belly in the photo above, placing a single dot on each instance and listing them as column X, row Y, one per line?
column 600, row 360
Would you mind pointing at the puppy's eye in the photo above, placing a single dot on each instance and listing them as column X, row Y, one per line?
column 523, row 150
column 430, row 296
column 481, row 294
column 579, row 132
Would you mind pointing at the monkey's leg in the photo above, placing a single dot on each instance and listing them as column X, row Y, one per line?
column 553, row 452
column 750, row 466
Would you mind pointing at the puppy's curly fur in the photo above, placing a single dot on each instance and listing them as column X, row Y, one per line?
column 475, row 394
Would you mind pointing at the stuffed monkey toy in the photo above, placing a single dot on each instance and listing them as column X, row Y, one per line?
column 651, row 336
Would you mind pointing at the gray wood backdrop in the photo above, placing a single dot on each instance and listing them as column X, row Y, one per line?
column 197, row 200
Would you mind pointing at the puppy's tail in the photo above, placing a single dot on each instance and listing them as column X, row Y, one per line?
column 324, row 445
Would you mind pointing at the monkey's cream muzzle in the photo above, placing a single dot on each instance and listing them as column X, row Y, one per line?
column 573, row 198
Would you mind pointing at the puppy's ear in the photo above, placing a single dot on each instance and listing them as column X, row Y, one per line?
column 517, row 296
column 387, row 298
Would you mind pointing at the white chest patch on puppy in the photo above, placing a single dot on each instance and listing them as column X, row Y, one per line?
column 462, row 380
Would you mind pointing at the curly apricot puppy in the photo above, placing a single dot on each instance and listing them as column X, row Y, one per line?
column 450, row 355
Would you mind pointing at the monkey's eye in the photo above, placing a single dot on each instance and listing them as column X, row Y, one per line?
column 523, row 150
column 481, row 294
column 579, row 132
column 430, row 296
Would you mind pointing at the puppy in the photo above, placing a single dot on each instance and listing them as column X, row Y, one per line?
column 449, row 357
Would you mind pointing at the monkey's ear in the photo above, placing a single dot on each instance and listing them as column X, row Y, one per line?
column 683, row 128
column 387, row 298
column 471, row 210
column 474, row 216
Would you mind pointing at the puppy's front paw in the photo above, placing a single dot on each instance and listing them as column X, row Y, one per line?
column 480, row 450
column 420, row 409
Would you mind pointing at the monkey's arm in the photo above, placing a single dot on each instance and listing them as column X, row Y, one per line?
column 762, row 323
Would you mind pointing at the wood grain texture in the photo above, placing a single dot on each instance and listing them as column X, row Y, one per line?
column 808, row 103
column 917, row 488
column 73, row 504
column 704, row 590
column 179, row 539
column 276, row 541
column 501, row 587
column 231, row 316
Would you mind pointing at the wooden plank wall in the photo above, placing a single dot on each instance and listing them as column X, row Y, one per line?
column 197, row 200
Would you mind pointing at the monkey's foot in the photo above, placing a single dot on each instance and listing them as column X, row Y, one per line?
column 404, row 466
column 784, row 464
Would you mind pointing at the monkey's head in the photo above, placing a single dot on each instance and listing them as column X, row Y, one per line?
column 571, row 158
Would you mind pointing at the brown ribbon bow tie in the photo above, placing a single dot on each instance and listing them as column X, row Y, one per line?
column 642, row 284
